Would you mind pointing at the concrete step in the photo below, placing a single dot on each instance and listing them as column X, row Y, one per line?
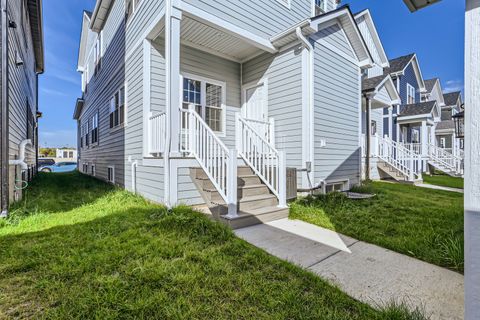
column 257, row 216
column 242, row 192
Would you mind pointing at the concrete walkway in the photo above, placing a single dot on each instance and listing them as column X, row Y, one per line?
column 432, row 186
column 366, row 272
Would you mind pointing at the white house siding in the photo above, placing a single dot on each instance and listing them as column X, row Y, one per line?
column 336, row 114
column 21, row 88
column 284, row 74
column 263, row 18
column 110, row 150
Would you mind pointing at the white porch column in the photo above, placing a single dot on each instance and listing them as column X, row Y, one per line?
column 173, row 19
column 390, row 122
column 424, row 141
column 472, row 160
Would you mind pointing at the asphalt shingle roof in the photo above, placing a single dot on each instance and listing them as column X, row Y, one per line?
column 398, row 64
column 446, row 124
column 369, row 84
column 429, row 84
column 451, row 98
column 417, row 108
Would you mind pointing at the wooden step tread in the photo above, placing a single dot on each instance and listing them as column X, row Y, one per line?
column 253, row 186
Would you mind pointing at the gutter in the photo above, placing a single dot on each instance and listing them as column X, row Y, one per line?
column 4, row 116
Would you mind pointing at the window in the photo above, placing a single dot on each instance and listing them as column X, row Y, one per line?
column 94, row 132
column 111, row 174
column 131, row 7
column 410, row 94
column 415, row 136
column 373, row 127
column 87, row 140
column 70, row 154
column 92, row 170
column 208, row 96
column 65, row 154
column 85, row 167
column 97, row 51
column 320, row 7
column 336, row 186
column 443, row 142
column 30, row 124
column 117, row 109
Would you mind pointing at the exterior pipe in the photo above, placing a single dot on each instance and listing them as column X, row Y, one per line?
column 4, row 116
column 368, row 138
column 21, row 158
column 307, row 45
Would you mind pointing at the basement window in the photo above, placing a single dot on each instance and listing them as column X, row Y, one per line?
column 111, row 174
column 336, row 186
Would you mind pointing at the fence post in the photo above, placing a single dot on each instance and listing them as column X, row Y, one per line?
column 191, row 128
column 282, row 180
column 232, row 184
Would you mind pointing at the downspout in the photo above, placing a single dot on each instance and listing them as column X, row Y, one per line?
column 134, row 165
column 4, row 116
column 307, row 45
column 368, row 132
column 168, row 137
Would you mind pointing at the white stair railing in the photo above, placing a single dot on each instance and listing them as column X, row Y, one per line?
column 264, row 128
column 404, row 160
column 415, row 147
column 218, row 162
column 157, row 130
column 444, row 159
column 264, row 159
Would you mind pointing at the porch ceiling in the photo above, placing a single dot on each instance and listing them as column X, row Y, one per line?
column 199, row 35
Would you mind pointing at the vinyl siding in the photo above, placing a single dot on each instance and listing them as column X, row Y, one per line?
column 336, row 115
column 21, row 90
column 284, row 74
column 263, row 18
column 110, row 150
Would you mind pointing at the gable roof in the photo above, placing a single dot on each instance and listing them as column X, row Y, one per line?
column 430, row 83
column 83, row 40
column 36, row 25
column 445, row 125
column 400, row 64
column 370, row 84
column 417, row 109
column 452, row 98
column 376, row 38
column 345, row 17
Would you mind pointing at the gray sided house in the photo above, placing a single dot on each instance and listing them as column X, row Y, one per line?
column 209, row 102
column 21, row 55
column 445, row 130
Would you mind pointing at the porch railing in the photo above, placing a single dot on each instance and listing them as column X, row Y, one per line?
column 265, row 129
column 264, row 159
column 218, row 162
column 157, row 128
column 445, row 159
column 414, row 147
column 401, row 158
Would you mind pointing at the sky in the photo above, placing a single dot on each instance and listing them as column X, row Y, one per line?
column 436, row 34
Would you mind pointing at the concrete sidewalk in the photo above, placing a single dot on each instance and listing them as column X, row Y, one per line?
column 432, row 186
column 366, row 272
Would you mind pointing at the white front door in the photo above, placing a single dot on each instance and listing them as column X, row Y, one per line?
column 255, row 107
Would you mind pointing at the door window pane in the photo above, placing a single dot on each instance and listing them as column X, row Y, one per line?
column 213, row 112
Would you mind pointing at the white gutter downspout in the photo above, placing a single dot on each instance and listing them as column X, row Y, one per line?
column 310, row 86
column 168, row 137
column 134, row 165
column 21, row 158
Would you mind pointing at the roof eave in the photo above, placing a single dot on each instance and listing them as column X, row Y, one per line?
column 99, row 14
column 36, row 19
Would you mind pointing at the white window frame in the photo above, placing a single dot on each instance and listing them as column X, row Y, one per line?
column 315, row 6
column 94, row 126
column 415, row 135
column 443, row 142
column 93, row 170
column 112, row 180
column 112, row 108
column 411, row 93
column 345, row 184
column 203, row 98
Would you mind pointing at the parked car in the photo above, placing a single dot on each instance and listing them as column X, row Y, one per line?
column 60, row 167
column 43, row 162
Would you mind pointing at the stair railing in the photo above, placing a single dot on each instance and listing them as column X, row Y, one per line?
column 263, row 128
column 262, row 157
column 402, row 159
column 218, row 162
column 445, row 159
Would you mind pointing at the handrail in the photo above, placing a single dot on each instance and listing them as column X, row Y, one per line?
column 265, row 128
column 401, row 158
column 263, row 158
column 217, row 161
column 446, row 159
column 157, row 136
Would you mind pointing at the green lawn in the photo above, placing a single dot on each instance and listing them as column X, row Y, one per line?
column 79, row 249
column 422, row 223
column 444, row 180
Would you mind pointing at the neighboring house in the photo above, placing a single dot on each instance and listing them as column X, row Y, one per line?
column 66, row 154
column 22, row 60
column 178, row 94
column 445, row 130
column 378, row 92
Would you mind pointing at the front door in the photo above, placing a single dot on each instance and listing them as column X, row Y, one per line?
column 255, row 105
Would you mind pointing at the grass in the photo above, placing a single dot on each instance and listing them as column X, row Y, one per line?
column 422, row 223
column 444, row 180
column 77, row 248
